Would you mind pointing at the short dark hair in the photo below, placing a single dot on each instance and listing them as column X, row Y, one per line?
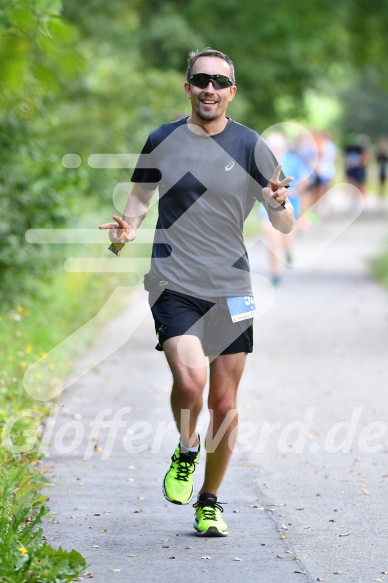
column 209, row 52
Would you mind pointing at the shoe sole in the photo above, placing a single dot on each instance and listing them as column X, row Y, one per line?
column 212, row 531
column 176, row 501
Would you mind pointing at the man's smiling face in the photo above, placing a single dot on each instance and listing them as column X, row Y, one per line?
column 210, row 104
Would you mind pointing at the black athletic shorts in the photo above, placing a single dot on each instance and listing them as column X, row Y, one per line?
column 176, row 314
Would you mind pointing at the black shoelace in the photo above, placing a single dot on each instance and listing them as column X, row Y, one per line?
column 209, row 508
column 186, row 466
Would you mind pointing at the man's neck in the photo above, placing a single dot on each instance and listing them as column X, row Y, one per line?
column 212, row 127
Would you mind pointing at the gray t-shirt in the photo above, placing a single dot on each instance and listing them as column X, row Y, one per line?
column 207, row 187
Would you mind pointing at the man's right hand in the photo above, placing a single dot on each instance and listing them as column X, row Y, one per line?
column 120, row 231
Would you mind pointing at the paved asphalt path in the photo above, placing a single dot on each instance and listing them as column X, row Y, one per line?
column 306, row 490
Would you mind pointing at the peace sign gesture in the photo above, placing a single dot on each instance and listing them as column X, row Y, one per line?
column 276, row 191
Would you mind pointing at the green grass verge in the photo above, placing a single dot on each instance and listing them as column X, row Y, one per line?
column 27, row 331
column 379, row 266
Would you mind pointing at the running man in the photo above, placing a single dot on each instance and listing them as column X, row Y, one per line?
column 209, row 170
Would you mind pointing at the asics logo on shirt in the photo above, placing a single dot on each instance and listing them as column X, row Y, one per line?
column 229, row 166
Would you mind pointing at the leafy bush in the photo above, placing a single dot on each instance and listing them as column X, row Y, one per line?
column 37, row 59
column 23, row 555
column 35, row 192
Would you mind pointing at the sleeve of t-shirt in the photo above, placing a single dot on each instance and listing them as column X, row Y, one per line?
column 263, row 167
column 144, row 173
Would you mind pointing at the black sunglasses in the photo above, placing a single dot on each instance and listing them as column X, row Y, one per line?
column 201, row 80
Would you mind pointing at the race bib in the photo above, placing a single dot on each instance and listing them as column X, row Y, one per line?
column 241, row 308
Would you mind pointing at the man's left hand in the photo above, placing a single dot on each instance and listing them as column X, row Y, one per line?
column 276, row 192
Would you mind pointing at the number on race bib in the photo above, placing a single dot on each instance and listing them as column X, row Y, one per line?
column 241, row 308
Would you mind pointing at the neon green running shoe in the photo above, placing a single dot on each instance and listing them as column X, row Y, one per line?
column 178, row 481
column 208, row 521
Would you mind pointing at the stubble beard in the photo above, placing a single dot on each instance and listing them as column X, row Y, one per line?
column 207, row 115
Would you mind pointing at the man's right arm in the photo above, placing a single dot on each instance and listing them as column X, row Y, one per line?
column 124, row 229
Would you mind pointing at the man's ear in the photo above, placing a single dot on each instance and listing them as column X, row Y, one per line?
column 232, row 92
column 187, row 89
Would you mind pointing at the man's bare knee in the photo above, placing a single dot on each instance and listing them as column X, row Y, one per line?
column 188, row 385
column 222, row 408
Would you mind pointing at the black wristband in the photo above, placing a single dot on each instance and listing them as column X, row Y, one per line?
column 281, row 206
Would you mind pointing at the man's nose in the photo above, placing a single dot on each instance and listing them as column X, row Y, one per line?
column 212, row 86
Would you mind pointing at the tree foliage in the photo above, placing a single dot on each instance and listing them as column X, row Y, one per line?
column 37, row 55
column 38, row 58
column 280, row 47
